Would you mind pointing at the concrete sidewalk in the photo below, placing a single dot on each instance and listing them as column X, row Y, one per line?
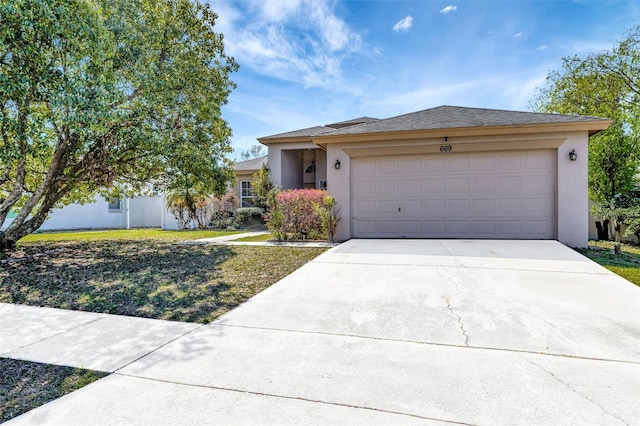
column 82, row 339
column 396, row 332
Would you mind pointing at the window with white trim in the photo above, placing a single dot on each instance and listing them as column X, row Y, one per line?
column 246, row 193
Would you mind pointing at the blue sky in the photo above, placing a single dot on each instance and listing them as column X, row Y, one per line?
column 311, row 62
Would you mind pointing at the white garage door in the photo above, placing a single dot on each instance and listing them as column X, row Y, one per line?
column 508, row 194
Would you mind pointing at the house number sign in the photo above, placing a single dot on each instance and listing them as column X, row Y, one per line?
column 445, row 148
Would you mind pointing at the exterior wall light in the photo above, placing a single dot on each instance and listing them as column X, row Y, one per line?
column 337, row 165
column 572, row 155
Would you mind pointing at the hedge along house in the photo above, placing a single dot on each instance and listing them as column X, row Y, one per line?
column 448, row 172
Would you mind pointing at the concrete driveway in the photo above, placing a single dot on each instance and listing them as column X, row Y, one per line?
column 397, row 332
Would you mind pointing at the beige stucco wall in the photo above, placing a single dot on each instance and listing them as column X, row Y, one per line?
column 572, row 208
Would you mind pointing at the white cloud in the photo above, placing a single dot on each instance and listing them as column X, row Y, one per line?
column 303, row 41
column 449, row 9
column 542, row 47
column 404, row 24
column 518, row 35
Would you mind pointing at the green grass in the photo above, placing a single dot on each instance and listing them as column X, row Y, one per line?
column 147, row 278
column 26, row 385
column 142, row 273
column 627, row 265
column 256, row 238
column 125, row 234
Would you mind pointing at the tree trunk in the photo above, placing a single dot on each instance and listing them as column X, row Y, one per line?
column 605, row 230
column 617, row 247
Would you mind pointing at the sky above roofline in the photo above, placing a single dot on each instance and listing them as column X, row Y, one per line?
column 305, row 63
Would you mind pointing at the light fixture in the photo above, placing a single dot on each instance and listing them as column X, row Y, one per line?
column 572, row 155
column 337, row 165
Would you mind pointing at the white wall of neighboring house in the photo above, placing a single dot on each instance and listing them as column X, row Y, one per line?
column 133, row 213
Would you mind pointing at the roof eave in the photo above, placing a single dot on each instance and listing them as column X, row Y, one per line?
column 277, row 140
column 592, row 127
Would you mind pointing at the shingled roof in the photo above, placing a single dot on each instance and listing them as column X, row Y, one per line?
column 452, row 117
column 253, row 164
column 309, row 131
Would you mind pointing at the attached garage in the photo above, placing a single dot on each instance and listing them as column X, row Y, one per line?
column 507, row 194
column 453, row 172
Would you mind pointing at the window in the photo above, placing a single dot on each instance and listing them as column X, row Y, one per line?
column 114, row 204
column 311, row 169
column 246, row 193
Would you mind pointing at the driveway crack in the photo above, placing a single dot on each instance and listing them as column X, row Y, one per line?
column 457, row 293
column 559, row 380
column 454, row 313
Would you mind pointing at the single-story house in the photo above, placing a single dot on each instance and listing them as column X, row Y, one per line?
column 244, row 171
column 447, row 172
column 136, row 212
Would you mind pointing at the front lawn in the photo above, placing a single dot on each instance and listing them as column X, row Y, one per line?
column 142, row 273
column 26, row 385
column 147, row 278
column 125, row 234
column 257, row 238
column 627, row 265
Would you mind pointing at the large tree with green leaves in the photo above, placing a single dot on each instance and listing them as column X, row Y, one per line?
column 98, row 96
column 605, row 84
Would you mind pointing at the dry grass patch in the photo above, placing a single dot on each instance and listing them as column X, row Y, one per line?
column 147, row 278
column 26, row 385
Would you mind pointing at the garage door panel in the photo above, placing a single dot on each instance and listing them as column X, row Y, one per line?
column 484, row 206
column 457, row 227
column 387, row 207
column 434, row 186
column 483, row 227
column 386, row 187
column 483, row 185
column 460, row 185
column 459, row 206
column 387, row 167
column 509, row 206
column 537, row 184
column 508, row 184
column 508, row 162
column 433, row 165
column 410, row 166
column 364, row 188
column 411, row 186
column 365, row 168
column 434, row 207
column 411, row 227
column 411, row 207
column 483, row 164
column 451, row 195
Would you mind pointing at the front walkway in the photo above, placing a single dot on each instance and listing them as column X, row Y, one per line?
column 396, row 332
column 230, row 240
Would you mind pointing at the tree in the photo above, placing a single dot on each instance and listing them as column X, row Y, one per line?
column 256, row 151
column 104, row 97
column 605, row 84
column 262, row 185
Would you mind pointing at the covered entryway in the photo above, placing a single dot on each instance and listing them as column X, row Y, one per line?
column 506, row 194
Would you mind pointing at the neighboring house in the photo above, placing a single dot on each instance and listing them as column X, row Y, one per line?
column 244, row 171
column 447, row 172
column 136, row 212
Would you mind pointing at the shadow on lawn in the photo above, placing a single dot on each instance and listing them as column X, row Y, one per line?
column 138, row 278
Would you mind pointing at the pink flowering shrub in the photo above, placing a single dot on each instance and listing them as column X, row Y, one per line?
column 293, row 214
